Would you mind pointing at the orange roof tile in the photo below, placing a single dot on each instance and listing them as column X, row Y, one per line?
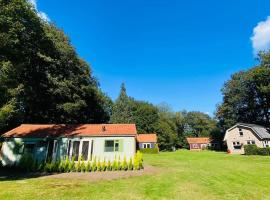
column 56, row 130
column 147, row 137
column 200, row 140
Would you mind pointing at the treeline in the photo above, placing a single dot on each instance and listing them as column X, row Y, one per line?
column 43, row 80
column 171, row 127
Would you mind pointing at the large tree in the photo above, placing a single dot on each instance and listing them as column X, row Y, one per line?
column 246, row 96
column 128, row 110
column 42, row 79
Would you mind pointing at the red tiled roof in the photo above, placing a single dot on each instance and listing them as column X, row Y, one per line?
column 56, row 130
column 199, row 140
column 147, row 137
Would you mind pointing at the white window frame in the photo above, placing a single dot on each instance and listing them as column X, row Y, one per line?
column 250, row 142
column 146, row 145
column 80, row 147
column 241, row 133
column 55, row 148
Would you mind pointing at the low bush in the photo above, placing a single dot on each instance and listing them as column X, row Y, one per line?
column 254, row 150
column 150, row 150
column 27, row 163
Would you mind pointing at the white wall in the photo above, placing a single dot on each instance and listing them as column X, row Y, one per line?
column 234, row 136
column 129, row 147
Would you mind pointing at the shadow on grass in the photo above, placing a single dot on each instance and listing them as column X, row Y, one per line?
column 9, row 174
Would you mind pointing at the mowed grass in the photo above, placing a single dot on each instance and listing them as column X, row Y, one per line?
column 182, row 175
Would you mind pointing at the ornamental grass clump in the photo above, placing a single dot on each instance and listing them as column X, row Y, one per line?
column 27, row 163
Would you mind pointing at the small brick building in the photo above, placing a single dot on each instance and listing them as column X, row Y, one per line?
column 199, row 143
column 146, row 140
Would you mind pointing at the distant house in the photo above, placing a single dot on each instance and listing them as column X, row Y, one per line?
column 57, row 141
column 146, row 140
column 244, row 134
column 199, row 143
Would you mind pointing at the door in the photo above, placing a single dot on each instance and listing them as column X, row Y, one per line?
column 75, row 150
column 55, row 148
column 50, row 151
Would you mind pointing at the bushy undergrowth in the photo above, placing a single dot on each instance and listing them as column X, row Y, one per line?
column 27, row 163
column 150, row 150
column 254, row 150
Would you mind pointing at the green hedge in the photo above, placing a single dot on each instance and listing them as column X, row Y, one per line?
column 150, row 150
column 27, row 163
column 254, row 150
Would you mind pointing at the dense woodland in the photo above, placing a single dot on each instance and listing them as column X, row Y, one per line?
column 43, row 80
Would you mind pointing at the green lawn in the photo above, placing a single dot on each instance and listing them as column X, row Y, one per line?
column 183, row 175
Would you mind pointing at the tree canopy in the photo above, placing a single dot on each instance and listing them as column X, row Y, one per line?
column 42, row 79
column 246, row 96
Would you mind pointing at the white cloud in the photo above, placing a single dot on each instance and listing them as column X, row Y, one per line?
column 261, row 36
column 41, row 14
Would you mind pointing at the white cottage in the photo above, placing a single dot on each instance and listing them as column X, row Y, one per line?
column 244, row 134
column 58, row 141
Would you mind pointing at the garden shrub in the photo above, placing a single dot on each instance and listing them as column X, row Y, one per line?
column 94, row 165
column 88, row 166
column 254, row 150
column 130, row 164
column 104, row 165
column 114, row 164
column 98, row 165
column 124, row 164
column 251, row 149
column 27, row 163
column 109, row 166
column 119, row 167
column 150, row 150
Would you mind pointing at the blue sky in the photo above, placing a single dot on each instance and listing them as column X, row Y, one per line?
column 179, row 52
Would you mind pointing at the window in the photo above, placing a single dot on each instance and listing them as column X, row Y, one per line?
column 113, row 145
column 55, row 145
column 68, row 148
column 75, row 150
column 250, row 142
column 109, row 145
column 85, row 147
column 241, row 132
column 146, row 145
column 237, row 145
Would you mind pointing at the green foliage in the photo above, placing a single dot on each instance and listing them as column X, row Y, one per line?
column 27, row 163
column 99, row 165
column 114, row 164
column 109, row 166
column 71, row 165
column 94, row 165
column 254, row 150
column 119, row 166
column 78, row 164
column 83, row 166
column 124, row 165
column 42, row 79
column 88, row 166
column 246, row 96
column 104, row 165
column 128, row 110
column 130, row 164
column 150, row 150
